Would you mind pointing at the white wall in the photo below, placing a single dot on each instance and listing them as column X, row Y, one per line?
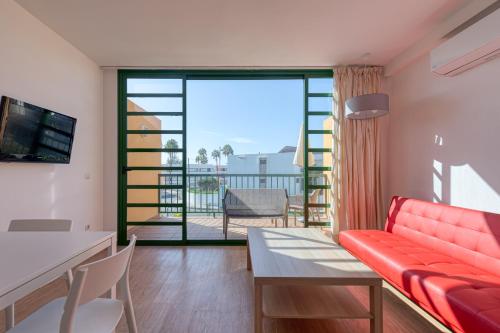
column 110, row 144
column 249, row 163
column 38, row 66
column 445, row 136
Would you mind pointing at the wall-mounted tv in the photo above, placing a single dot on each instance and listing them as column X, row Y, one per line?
column 30, row 133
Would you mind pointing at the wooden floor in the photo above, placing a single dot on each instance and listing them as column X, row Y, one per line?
column 208, row 289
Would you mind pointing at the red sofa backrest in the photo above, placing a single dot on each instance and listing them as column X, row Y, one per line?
column 470, row 236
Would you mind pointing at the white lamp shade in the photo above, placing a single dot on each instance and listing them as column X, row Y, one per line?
column 367, row 106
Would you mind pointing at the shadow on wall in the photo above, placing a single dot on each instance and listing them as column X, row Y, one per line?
column 459, row 151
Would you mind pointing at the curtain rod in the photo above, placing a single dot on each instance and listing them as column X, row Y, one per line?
column 215, row 67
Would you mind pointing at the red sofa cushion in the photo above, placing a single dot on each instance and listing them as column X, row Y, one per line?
column 471, row 236
column 446, row 259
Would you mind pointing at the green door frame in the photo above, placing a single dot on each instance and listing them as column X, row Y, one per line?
column 260, row 74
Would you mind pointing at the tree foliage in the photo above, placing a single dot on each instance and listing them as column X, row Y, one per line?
column 202, row 157
column 216, row 155
column 208, row 184
column 172, row 156
column 227, row 150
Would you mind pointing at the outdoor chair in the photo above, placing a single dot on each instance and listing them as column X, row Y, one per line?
column 255, row 204
column 297, row 205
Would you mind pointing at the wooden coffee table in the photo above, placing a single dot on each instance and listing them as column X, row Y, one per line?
column 301, row 273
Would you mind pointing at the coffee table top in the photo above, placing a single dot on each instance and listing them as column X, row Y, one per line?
column 304, row 256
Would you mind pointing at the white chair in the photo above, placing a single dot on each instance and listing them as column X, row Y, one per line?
column 40, row 225
column 37, row 225
column 83, row 311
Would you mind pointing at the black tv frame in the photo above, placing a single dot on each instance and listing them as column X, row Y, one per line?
column 11, row 158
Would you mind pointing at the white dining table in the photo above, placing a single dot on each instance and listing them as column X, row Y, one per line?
column 30, row 260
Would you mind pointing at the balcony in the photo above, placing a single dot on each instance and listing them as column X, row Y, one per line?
column 204, row 194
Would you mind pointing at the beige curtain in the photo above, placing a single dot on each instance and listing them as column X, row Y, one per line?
column 357, row 202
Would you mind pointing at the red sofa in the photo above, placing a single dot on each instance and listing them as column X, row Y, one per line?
column 445, row 259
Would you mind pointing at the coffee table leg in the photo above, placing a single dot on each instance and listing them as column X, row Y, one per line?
column 9, row 317
column 249, row 260
column 376, row 325
column 258, row 308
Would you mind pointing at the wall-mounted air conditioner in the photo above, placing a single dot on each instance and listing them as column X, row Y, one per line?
column 468, row 48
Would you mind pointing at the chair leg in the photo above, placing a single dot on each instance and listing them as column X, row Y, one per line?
column 312, row 214
column 128, row 305
column 226, row 227
column 69, row 278
column 9, row 317
column 224, row 224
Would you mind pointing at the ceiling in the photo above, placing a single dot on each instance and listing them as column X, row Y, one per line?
column 241, row 33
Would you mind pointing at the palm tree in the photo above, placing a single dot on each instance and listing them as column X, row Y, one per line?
column 216, row 157
column 202, row 156
column 227, row 150
column 172, row 156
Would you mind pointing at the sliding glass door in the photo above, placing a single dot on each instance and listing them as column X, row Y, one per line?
column 185, row 137
column 152, row 161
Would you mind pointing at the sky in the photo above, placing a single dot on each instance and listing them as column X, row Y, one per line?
column 250, row 115
column 253, row 116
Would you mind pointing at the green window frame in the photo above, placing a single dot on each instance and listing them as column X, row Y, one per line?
column 307, row 169
column 215, row 74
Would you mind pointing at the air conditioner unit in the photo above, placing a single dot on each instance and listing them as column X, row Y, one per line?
column 470, row 47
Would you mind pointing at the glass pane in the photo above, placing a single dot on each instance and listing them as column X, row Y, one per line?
column 318, row 141
column 154, row 122
column 154, row 159
column 321, row 85
column 142, row 196
column 164, row 196
column 142, row 214
column 154, row 104
column 320, row 122
column 143, row 177
column 318, row 178
column 319, row 196
column 156, row 232
column 153, row 86
column 320, row 103
column 204, row 195
column 322, row 159
column 205, row 227
column 170, row 178
column 154, row 214
column 170, row 196
column 154, row 141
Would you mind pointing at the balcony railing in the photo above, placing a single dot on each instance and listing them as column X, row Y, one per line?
column 206, row 191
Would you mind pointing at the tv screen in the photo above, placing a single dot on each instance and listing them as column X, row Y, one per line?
column 29, row 133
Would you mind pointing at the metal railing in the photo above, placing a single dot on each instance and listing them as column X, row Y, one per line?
column 206, row 191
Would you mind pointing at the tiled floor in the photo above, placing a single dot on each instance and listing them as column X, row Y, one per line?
column 205, row 227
